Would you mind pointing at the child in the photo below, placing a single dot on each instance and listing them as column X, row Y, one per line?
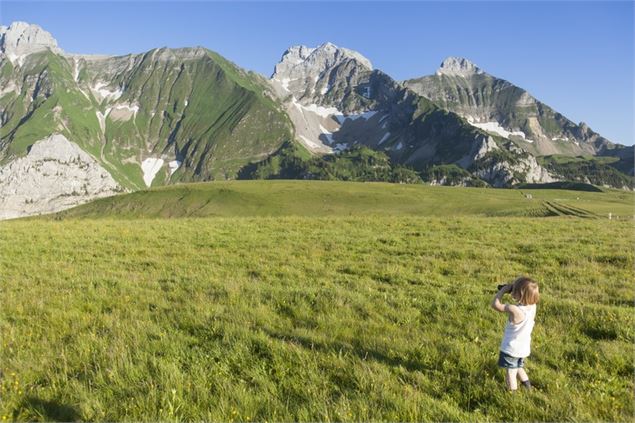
column 515, row 346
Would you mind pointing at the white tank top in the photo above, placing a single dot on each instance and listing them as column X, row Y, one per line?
column 517, row 337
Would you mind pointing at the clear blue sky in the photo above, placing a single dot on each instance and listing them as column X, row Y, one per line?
column 575, row 56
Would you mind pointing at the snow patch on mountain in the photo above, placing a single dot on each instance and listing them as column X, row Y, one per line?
column 319, row 110
column 104, row 93
column 384, row 138
column 123, row 111
column 328, row 134
column 16, row 60
column 364, row 115
column 150, row 167
column 76, row 69
column 496, row 128
column 134, row 108
column 173, row 166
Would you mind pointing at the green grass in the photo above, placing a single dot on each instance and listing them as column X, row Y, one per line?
column 225, row 104
column 321, row 198
column 310, row 318
column 310, row 300
column 611, row 171
column 560, row 159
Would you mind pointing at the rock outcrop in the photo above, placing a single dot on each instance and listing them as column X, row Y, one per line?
column 458, row 66
column 308, row 73
column 21, row 39
column 55, row 175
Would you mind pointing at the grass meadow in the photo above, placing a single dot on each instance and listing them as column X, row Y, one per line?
column 345, row 317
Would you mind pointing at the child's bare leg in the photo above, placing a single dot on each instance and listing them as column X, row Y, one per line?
column 524, row 379
column 510, row 379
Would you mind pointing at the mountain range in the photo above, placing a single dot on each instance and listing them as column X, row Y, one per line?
column 77, row 127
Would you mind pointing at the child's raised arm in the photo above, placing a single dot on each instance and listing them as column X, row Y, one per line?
column 515, row 314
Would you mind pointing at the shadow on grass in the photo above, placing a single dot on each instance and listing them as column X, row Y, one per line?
column 354, row 349
column 51, row 410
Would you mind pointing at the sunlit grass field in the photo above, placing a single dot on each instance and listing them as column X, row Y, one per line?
column 322, row 318
column 329, row 198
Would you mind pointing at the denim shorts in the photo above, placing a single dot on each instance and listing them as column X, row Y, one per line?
column 508, row 362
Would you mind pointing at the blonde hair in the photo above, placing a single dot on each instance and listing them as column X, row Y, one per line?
column 526, row 290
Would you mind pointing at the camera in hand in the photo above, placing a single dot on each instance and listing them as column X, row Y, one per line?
column 501, row 286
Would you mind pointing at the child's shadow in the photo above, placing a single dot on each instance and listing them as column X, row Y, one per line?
column 51, row 410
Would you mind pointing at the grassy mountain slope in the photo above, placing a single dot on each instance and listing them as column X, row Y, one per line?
column 325, row 198
column 487, row 98
column 589, row 169
column 189, row 105
column 421, row 133
column 47, row 100
column 418, row 133
column 360, row 164
column 623, row 158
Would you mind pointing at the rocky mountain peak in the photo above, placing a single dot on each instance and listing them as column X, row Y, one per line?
column 458, row 66
column 21, row 39
column 308, row 74
column 296, row 54
column 330, row 49
column 306, row 60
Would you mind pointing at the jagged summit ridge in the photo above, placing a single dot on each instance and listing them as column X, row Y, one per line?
column 300, row 60
column 458, row 66
column 498, row 106
column 151, row 112
column 309, row 73
column 21, row 39
column 317, row 86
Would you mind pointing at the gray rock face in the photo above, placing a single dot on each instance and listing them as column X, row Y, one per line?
column 317, row 88
column 335, row 100
column 498, row 106
column 55, row 175
column 502, row 173
column 458, row 66
column 308, row 73
column 299, row 60
column 21, row 39
column 479, row 149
